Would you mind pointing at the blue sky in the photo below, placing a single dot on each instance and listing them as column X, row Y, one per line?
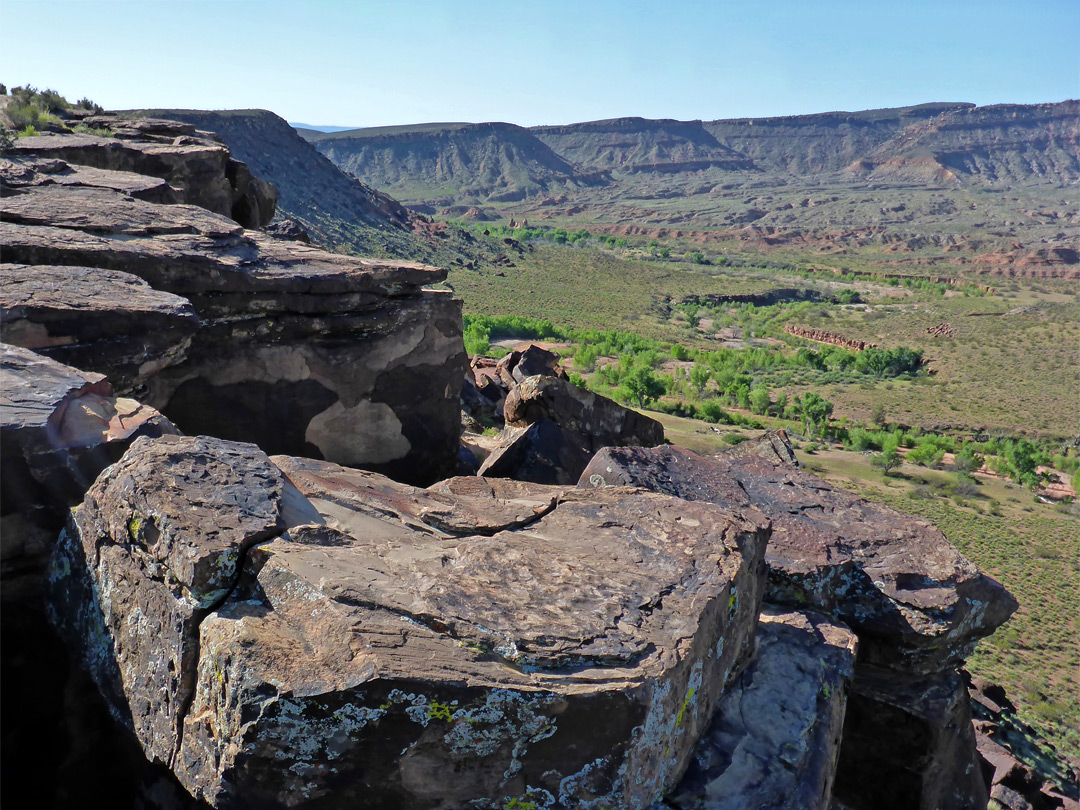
column 386, row 62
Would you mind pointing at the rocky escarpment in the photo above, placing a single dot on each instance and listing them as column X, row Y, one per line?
column 228, row 331
column 133, row 272
column 278, row 631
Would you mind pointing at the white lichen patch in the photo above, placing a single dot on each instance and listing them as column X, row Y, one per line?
column 506, row 719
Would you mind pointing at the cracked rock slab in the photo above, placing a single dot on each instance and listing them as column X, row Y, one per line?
column 774, row 741
column 916, row 603
column 568, row 653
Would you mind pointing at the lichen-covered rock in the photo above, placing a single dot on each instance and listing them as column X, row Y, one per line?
column 476, row 644
column 774, row 741
column 909, row 744
column 59, row 428
column 157, row 543
column 554, row 428
column 915, row 602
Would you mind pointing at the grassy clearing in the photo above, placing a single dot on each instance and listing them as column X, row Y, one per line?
column 1016, row 372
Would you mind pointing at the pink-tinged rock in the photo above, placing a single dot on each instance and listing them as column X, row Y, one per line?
column 59, row 428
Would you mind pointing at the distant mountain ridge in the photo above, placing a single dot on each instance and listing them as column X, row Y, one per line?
column 500, row 162
column 492, row 161
column 921, row 183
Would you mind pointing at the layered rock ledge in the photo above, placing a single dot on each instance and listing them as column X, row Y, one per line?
column 129, row 256
column 326, row 636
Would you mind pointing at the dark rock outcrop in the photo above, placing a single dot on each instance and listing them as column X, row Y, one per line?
column 554, row 428
column 775, row 739
column 299, row 350
column 917, row 606
column 198, row 167
column 908, row 743
column 91, row 318
column 442, row 647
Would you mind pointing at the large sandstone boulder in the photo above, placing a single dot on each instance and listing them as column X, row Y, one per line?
column 155, row 546
column 554, row 428
column 296, row 349
column 775, row 739
column 478, row 644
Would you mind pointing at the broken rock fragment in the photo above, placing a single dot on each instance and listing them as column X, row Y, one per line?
column 554, row 428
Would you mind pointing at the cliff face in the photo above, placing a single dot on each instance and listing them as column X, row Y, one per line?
column 1004, row 143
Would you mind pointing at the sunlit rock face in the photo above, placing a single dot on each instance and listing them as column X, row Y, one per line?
column 916, row 605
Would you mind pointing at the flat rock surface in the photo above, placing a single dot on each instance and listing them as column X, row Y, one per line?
column 915, row 602
column 86, row 303
column 458, row 506
column 568, row 651
column 19, row 173
column 774, row 741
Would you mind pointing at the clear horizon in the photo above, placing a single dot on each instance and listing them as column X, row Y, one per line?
column 365, row 64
